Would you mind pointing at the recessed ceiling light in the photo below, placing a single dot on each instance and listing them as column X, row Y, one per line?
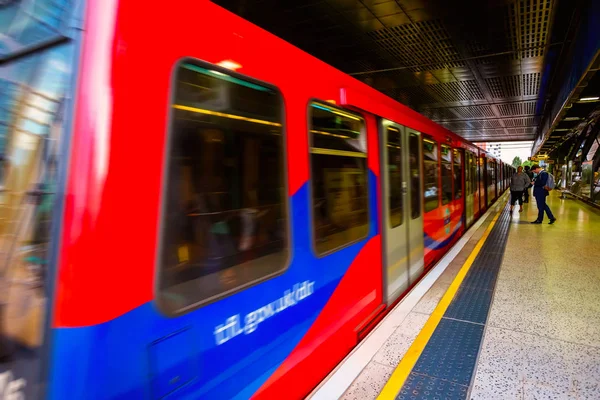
column 589, row 99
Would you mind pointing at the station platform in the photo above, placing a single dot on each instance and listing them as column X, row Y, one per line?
column 511, row 312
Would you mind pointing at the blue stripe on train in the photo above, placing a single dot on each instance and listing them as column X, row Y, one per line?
column 432, row 244
column 114, row 360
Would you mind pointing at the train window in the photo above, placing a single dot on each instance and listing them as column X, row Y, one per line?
column 430, row 170
column 469, row 171
column 482, row 179
column 446, row 175
column 474, row 177
column 457, row 172
column 415, row 175
column 224, row 218
column 468, row 161
column 394, row 150
column 339, row 177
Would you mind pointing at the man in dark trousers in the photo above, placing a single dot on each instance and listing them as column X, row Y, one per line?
column 526, row 191
column 540, row 193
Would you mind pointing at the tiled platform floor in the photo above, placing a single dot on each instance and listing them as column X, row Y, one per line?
column 543, row 335
column 542, row 340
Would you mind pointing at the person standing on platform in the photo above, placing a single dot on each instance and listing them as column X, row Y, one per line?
column 518, row 183
column 526, row 191
column 540, row 193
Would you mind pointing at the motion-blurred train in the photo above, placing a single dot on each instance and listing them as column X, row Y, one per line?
column 193, row 208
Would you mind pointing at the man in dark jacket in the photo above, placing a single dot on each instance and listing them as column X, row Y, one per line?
column 526, row 191
column 540, row 193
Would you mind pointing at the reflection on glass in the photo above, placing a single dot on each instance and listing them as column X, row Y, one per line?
column 32, row 105
column 474, row 177
column 587, row 179
column 394, row 150
column 457, row 173
column 339, row 177
column 446, row 175
column 225, row 217
column 482, row 175
column 27, row 23
column 415, row 175
column 430, row 170
column 469, row 175
column 491, row 180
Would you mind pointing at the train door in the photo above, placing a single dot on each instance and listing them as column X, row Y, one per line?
column 402, row 221
column 458, row 166
column 499, row 177
column 489, row 180
column 491, row 164
column 482, row 167
column 469, row 198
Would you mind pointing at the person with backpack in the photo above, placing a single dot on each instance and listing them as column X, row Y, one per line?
column 526, row 191
column 543, row 184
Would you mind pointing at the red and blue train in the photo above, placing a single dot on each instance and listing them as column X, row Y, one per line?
column 194, row 208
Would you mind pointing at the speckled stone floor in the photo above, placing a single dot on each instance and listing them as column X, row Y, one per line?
column 543, row 334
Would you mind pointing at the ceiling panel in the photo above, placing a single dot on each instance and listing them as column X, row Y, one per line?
column 475, row 66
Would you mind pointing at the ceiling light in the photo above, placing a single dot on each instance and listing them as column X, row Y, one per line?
column 589, row 99
column 572, row 119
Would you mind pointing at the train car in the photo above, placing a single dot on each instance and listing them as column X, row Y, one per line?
column 203, row 210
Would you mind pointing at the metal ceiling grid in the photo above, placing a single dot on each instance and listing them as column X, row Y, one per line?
column 578, row 116
column 474, row 66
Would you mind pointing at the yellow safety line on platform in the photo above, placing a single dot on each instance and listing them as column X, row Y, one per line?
column 394, row 384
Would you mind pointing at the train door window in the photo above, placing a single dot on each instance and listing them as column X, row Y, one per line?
column 474, row 177
column 339, row 177
column 394, row 150
column 224, row 217
column 457, row 172
column 430, row 170
column 468, row 161
column 415, row 175
column 446, row 175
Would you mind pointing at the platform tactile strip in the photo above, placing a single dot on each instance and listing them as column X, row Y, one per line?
column 447, row 363
column 481, row 278
column 470, row 304
column 421, row 386
column 451, row 351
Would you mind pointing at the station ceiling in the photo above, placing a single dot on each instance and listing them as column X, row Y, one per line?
column 479, row 68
